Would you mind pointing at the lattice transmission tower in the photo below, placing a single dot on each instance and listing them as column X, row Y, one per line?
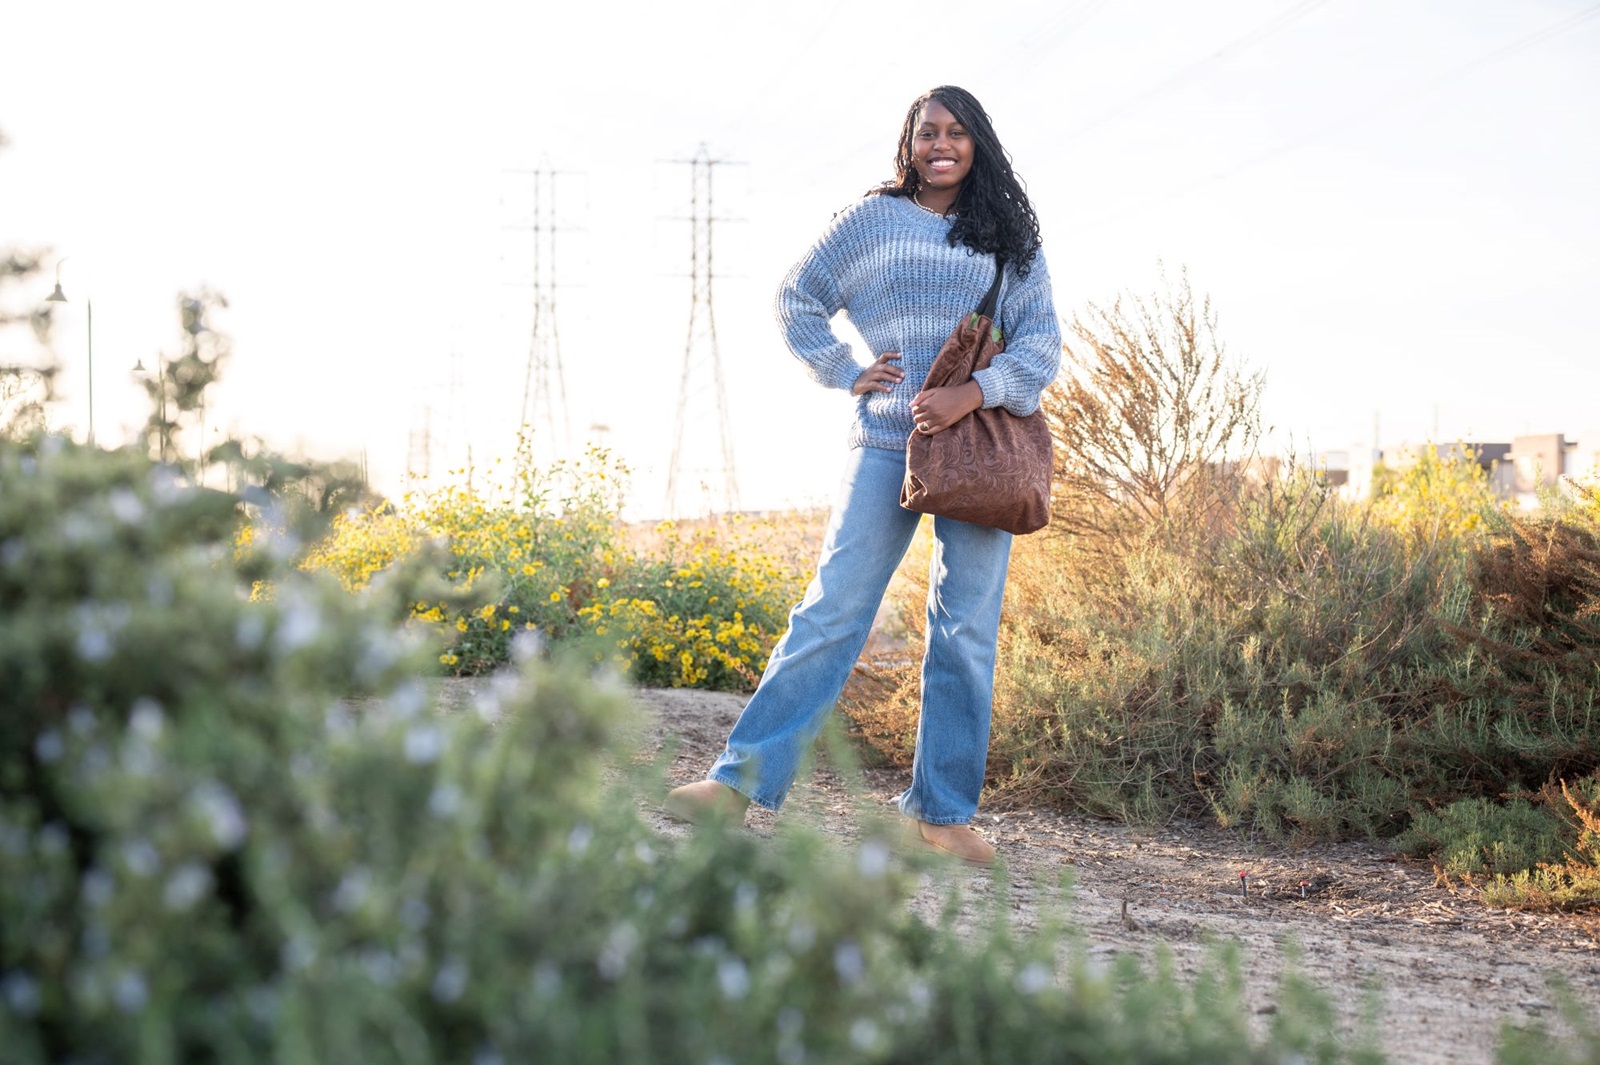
column 544, row 385
column 701, row 384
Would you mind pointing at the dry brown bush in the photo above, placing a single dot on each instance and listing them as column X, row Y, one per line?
column 1152, row 420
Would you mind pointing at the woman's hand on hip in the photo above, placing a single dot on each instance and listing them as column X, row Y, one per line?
column 881, row 376
column 937, row 409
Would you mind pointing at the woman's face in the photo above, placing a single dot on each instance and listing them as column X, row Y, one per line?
column 941, row 149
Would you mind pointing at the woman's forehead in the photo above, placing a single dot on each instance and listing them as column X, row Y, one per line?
column 935, row 113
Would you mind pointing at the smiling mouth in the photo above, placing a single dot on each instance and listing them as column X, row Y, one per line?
column 941, row 164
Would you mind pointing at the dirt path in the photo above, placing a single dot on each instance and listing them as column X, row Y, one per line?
column 1450, row 970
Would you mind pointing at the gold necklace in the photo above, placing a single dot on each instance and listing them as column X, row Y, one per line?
column 919, row 203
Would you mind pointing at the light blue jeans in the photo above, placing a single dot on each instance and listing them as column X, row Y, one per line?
column 867, row 536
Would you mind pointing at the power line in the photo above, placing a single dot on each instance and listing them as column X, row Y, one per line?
column 700, row 354
column 1167, row 86
column 544, row 388
column 1355, row 118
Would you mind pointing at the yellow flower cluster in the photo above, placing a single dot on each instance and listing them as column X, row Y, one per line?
column 680, row 652
column 362, row 544
column 683, row 606
column 1438, row 498
column 703, row 604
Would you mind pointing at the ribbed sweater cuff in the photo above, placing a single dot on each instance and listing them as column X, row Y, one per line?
column 841, row 373
column 995, row 392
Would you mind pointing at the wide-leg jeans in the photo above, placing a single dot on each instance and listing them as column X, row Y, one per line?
column 868, row 534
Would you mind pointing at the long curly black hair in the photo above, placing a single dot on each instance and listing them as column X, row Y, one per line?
column 993, row 215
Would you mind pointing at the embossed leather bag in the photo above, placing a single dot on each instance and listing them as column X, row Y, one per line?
column 991, row 467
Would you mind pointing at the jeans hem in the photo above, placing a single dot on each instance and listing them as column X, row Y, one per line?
column 729, row 780
column 935, row 820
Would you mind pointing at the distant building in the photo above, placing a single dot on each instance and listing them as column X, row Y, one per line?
column 1516, row 471
column 1539, row 461
column 1334, row 467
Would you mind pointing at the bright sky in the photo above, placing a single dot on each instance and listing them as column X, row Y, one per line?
column 1391, row 204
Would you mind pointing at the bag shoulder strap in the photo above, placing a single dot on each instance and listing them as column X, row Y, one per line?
column 987, row 307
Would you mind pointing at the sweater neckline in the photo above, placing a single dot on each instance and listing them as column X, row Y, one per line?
column 917, row 211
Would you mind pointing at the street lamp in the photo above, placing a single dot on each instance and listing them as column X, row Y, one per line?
column 141, row 374
column 61, row 297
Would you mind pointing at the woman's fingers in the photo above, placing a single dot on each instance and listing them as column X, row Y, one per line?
column 936, row 409
column 881, row 376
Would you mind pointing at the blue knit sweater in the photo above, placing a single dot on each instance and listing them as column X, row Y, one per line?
column 887, row 263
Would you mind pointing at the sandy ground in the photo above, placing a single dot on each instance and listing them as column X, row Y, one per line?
column 1449, row 970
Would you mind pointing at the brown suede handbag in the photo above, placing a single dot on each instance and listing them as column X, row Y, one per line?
column 991, row 467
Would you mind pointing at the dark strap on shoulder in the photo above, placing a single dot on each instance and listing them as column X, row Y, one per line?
column 987, row 307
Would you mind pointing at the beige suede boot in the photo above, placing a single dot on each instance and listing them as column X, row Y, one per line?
column 706, row 802
column 954, row 841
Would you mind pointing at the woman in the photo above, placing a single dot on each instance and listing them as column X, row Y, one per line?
column 906, row 262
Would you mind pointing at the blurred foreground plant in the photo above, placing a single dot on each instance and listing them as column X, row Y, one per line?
column 236, row 829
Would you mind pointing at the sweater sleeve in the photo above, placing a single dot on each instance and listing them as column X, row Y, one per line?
column 1032, row 354
column 807, row 300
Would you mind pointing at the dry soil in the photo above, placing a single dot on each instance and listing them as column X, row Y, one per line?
column 1448, row 969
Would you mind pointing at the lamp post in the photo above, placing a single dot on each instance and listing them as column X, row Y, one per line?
column 61, row 297
column 141, row 374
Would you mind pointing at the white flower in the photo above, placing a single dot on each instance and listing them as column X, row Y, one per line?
column 250, row 630
column 424, row 744
column 487, row 706
column 130, row 992
column 94, row 645
column 848, row 963
column 98, row 887
column 619, row 945
column 48, row 747
column 802, row 934
column 1033, row 978
column 579, row 838
column 125, row 505
column 733, row 978
column 415, row 913
column 450, row 982
column 222, row 813
column 158, row 589
column 81, row 720
column 299, row 626
column 21, row 993
column 141, row 858
column 353, row 889
column 526, row 644
column 186, row 886
column 408, row 700
column 445, row 801
column 145, row 718
column 299, row 952
column 546, row 980
column 873, row 859
column 744, row 897
column 920, row 995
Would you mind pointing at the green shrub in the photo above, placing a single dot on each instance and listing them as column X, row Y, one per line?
column 1480, row 836
column 1297, row 664
column 234, row 829
column 1573, row 881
